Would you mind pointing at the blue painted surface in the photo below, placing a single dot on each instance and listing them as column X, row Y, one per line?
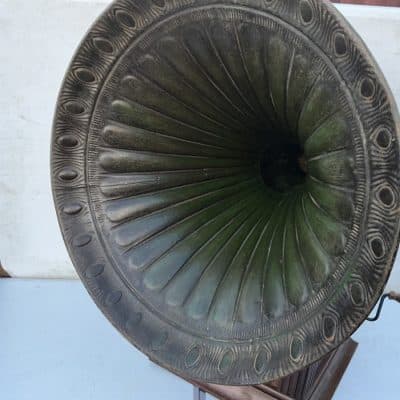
column 374, row 372
column 55, row 344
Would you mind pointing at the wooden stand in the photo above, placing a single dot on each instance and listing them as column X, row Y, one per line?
column 316, row 382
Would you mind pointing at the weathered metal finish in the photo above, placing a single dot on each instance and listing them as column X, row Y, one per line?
column 318, row 381
column 226, row 176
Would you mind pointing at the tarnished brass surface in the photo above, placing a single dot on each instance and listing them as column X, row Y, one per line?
column 226, row 176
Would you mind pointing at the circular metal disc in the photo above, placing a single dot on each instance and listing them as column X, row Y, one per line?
column 217, row 269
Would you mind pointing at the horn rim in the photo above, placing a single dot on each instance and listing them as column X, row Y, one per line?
column 104, row 284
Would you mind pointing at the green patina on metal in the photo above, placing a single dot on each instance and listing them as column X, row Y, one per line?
column 226, row 175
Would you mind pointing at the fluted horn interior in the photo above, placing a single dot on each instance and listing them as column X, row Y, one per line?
column 228, row 172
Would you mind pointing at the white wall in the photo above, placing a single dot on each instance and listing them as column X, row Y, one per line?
column 38, row 38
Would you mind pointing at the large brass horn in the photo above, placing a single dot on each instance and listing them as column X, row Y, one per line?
column 226, row 176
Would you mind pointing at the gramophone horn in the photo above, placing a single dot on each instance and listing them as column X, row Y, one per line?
column 226, row 176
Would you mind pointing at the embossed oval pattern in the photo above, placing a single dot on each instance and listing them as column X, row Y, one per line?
column 82, row 240
column 367, row 88
column 193, row 356
column 357, row 293
column 386, row 196
column 340, row 44
column 94, row 270
column 159, row 340
column 329, row 327
column 226, row 361
column 261, row 361
column 73, row 107
column 85, row 75
column 377, row 247
column 125, row 18
column 383, row 139
column 159, row 3
column 306, row 11
column 296, row 348
column 68, row 174
column 134, row 320
column 103, row 45
column 69, row 141
column 113, row 297
column 72, row 208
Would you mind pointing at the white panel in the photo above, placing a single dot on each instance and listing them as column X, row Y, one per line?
column 40, row 37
